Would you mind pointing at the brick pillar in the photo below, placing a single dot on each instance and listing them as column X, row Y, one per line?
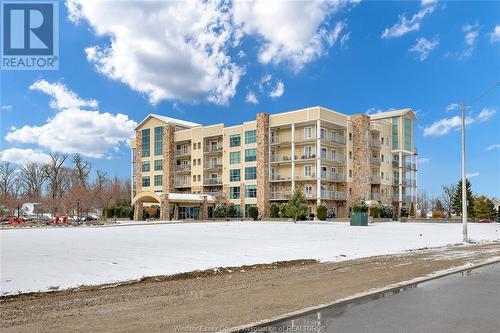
column 138, row 210
column 168, row 158
column 164, row 208
column 242, row 198
column 138, row 163
column 361, row 169
column 263, row 164
column 204, row 209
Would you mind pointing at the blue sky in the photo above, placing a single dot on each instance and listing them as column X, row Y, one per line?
column 120, row 61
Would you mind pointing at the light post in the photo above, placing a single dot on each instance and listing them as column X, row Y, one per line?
column 78, row 209
column 464, row 178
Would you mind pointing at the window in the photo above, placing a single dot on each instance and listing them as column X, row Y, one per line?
column 158, row 180
column 307, row 132
column 350, row 136
column 194, row 146
column 250, row 173
column 194, row 178
column 250, row 155
column 382, row 140
column 309, row 190
column 308, row 151
column 199, row 145
column 350, row 155
column 158, row 141
column 235, row 140
column 145, row 167
column 350, row 172
column 234, row 192
column 158, row 165
column 145, row 141
column 194, row 162
column 307, row 170
column 199, row 161
column 407, row 133
column 234, row 157
column 238, row 210
column 199, row 178
column 145, row 181
column 250, row 137
column 234, row 175
column 323, row 133
column 251, row 191
column 395, row 139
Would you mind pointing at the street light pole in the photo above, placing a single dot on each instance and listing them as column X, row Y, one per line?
column 464, row 179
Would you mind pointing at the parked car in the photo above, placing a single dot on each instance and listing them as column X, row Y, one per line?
column 485, row 221
column 89, row 218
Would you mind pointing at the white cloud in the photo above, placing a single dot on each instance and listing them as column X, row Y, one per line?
column 167, row 50
column 452, row 107
column 471, row 33
column 424, row 160
column 251, row 98
column 405, row 25
column 443, row 126
column 6, row 107
column 373, row 111
column 23, row 156
column 495, row 34
column 493, row 146
column 424, row 46
column 278, row 90
column 75, row 130
column 473, row 174
column 344, row 39
column 291, row 31
column 486, row 113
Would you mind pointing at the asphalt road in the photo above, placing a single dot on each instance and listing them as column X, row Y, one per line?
column 463, row 302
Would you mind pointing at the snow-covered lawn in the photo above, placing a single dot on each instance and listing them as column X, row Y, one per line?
column 45, row 259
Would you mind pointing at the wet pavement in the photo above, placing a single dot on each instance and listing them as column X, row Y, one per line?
column 463, row 302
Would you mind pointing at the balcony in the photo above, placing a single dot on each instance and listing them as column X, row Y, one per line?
column 306, row 157
column 375, row 127
column 375, row 179
column 276, row 177
column 395, row 181
column 212, row 166
column 407, row 198
column 332, row 195
column 375, row 143
column 182, row 152
column 183, row 168
column 333, row 176
column 302, row 137
column 409, row 165
column 395, row 164
column 277, row 139
column 213, row 149
column 407, row 182
column 182, row 182
column 335, row 158
column 375, row 196
column 280, row 195
column 335, row 138
column 212, row 181
column 275, row 158
column 375, row 161
column 306, row 177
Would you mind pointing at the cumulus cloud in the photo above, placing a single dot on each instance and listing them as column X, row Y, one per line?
column 495, row 34
column 6, row 107
column 23, row 156
column 292, row 31
column 424, row 46
column 278, row 90
column 472, row 174
column 171, row 50
column 443, row 126
column 452, row 107
column 406, row 25
column 74, row 129
column 486, row 113
column 251, row 98
column 493, row 146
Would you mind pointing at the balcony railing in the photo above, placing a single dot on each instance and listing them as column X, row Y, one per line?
column 333, row 176
column 280, row 139
column 375, row 143
column 409, row 165
column 280, row 195
column 407, row 198
column 183, row 167
column 213, row 149
column 375, row 127
column 395, row 164
column 337, row 138
column 302, row 137
column 375, row 161
column 407, row 182
column 182, row 152
column 375, row 196
column 310, row 176
column 212, row 165
column 182, row 183
column 336, row 158
column 333, row 195
column 306, row 157
column 375, row 179
column 212, row 181
column 277, row 177
column 275, row 158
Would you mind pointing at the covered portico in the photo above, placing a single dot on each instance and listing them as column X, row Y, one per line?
column 171, row 203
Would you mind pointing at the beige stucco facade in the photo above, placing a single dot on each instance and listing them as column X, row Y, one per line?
column 332, row 157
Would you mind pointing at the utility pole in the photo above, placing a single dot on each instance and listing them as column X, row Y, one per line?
column 464, row 179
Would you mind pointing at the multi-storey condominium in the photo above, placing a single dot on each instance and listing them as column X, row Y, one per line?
column 333, row 158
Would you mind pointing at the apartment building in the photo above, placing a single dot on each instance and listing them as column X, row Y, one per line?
column 334, row 158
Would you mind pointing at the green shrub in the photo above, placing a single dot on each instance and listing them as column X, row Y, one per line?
column 297, row 207
column 321, row 212
column 220, row 211
column 283, row 209
column 253, row 212
column 375, row 211
column 360, row 207
column 386, row 211
column 231, row 211
column 404, row 212
column 274, row 210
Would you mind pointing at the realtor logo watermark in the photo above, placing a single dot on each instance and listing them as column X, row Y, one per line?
column 30, row 35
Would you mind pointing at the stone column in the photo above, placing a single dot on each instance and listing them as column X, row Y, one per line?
column 168, row 158
column 318, row 162
column 263, row 164
column 361, row 168
column 293, row 157
column 204, row 209
column 165, row 208
column 138, row 163
column 138, row 210
column 242, row 198
column 400, row 186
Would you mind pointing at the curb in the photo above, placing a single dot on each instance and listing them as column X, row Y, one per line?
column 362, row 295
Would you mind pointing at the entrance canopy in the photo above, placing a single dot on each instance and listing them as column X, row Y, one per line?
column 193, row 198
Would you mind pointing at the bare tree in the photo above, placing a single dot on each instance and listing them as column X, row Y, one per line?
column 54, row 174
column 7, row 179
column 83, row 169
column 447, row 197
column 32, row 177
column 109, row 195
column 424, row 203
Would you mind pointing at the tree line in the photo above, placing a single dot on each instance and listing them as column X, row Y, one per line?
column 60, row 186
